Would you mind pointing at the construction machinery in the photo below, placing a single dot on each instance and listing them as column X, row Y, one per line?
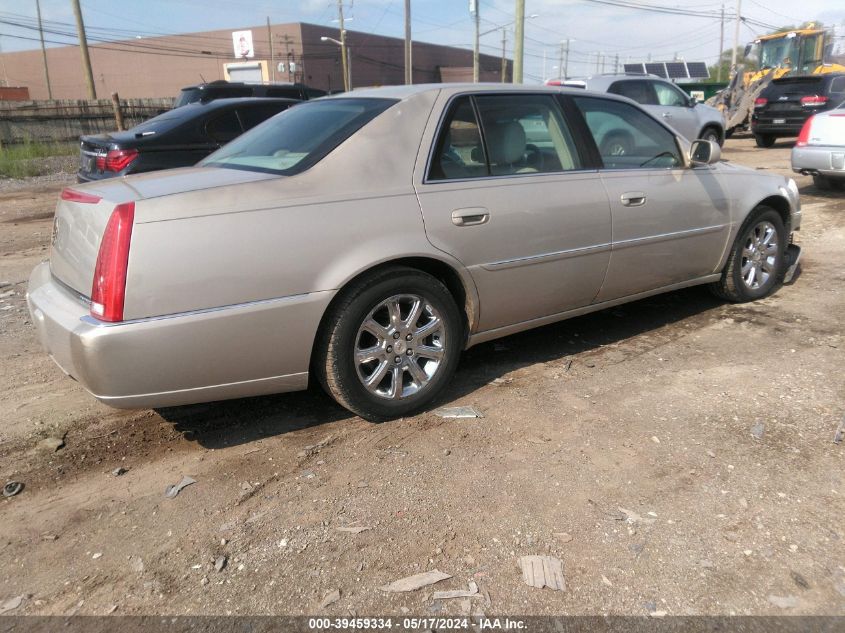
column 803, row 51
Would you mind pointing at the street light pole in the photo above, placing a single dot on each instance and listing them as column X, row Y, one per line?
column 343, row 58
column 519, row 41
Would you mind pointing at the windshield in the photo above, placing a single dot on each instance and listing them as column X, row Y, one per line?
column 299, row 137
column 781, row 52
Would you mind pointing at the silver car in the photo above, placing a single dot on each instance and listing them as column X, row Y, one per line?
column 364, row 240
column 662, row 99
column 820, row 149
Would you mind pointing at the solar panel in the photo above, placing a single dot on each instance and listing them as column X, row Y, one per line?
column 676, row 70
column 634, row 68
column 658, row 69
column 698, row 70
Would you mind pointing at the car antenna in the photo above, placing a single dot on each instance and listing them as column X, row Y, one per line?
column 203, row 78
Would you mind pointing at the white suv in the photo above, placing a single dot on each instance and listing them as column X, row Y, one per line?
column 662, row 99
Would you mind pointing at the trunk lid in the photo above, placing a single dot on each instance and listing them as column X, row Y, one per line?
column 828, row 129
column 84, row 210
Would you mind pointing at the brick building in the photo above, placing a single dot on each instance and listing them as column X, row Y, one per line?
column 160, row 66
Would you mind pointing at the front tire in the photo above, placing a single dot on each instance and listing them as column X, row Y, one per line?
column 390, row 344
column 756, row 262
column 712, row 134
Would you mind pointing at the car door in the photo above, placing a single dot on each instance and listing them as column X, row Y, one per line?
column 673, row 106
column 505, row 190
column 670, row 222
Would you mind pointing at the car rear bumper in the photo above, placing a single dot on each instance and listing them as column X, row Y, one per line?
column 231, row 352
column 824, row 160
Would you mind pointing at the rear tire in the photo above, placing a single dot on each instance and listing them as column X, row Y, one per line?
column 765, row 140
column 756, row 262
column 390, row 344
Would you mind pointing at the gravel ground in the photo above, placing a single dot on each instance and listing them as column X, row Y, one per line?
column 675, row 454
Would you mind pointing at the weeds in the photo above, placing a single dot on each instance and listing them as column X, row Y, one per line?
column 22, row 161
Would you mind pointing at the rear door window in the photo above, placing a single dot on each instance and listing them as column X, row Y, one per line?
column 224, row 127
column 253, row 115
column 459, row 152
column 626, row 137
column 522, row 134
column 638, row 90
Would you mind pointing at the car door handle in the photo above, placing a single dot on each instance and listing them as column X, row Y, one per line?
column 471, row 216
column 633, row 199
column 667, row 115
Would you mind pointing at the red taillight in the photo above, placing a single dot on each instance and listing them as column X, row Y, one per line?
column 78, row 196
column 814, row 100
column 109, row 288
column 759, row 102
column 804, row 136
column 116, row 160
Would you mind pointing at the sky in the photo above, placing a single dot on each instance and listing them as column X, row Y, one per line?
column 596, row 29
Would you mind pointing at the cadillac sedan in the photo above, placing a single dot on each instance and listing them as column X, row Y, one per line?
column 364, row 240
column 820, row 149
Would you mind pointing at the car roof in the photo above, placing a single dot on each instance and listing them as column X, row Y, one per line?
column 449, row 89
column 218, row 104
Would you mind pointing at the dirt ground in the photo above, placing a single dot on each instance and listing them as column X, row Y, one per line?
column 676, row 454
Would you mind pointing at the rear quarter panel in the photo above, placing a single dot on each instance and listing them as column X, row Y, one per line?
column 284, row 236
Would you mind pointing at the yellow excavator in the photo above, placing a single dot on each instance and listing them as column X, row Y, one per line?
column 804, row 51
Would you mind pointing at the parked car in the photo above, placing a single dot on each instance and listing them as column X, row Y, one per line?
column 223, row 89
column 785, row 105
column 662, row 99
column 177, row 138
column 820, row 149
column 366, row 239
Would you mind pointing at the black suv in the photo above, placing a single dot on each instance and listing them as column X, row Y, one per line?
column 223, row 89
column 786, row 103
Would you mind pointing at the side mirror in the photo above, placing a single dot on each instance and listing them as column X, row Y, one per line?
column 704, row 153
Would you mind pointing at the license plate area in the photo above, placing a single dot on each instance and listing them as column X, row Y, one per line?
column 779, row 121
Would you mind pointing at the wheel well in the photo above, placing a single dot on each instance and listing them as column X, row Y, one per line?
column 780, row 205
column 437, row 269
column 713, row 126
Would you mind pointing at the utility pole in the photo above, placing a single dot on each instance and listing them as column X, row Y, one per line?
column 409, row 72
column 560, row 62
column 504, row 59
column 43, row 50
column 270, row 39
column 519, row 43
column 721, row 47
column 736, row 35
column 83, row 47
column 566, row 61
column 475, row 61
column 616, row 64
column 343, row 59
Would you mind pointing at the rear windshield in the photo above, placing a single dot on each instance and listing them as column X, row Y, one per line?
column 299, row 137
column 163, row 122
column 186, row 96
column 795, row 85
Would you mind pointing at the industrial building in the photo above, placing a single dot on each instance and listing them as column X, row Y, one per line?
column 160, row 66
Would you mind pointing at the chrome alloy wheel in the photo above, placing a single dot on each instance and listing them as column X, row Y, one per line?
column 759, row 255
column 400, row 346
